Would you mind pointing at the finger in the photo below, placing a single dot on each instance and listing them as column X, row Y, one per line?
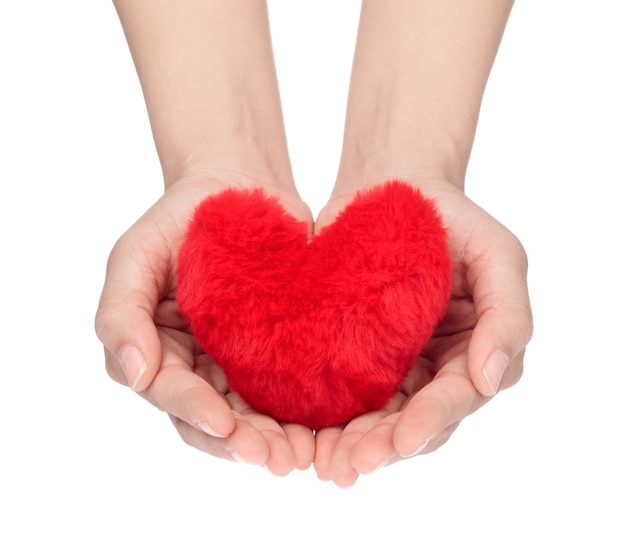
column 342, row 473
column 325, row 441
column 281, row 458
column 124, row 320
column 244, row 445
column 380, row 439
column 302, row 443
column 437, row 441
column 436, row 408
column 168, row 315
column 177, row 390
column 342, row 469
column 374, row 448
column 513, row 372
column 498, row 283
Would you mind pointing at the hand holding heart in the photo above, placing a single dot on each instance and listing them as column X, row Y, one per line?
column 335, row 329
column 477, row 349
column 447, row 383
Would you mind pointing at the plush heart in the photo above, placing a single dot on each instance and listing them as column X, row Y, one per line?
column 315, row 331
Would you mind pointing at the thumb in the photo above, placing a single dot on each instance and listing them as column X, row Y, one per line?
column 504, row 322
column 125, row 317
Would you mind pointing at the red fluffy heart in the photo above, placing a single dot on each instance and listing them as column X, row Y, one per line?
column 315, row 331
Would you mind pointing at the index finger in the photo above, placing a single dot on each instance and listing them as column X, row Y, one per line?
column 438, row 406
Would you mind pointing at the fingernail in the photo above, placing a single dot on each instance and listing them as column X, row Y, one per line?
column 382, row 465
column 419, row 450
column 133, row 365
column 494, row 368
column 206, row 428
column 236, row 456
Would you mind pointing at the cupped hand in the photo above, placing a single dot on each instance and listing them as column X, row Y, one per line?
column 477, row 349
column 149, row 347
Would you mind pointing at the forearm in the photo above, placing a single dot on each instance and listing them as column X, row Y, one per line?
column 420, row 69
column 207, row 72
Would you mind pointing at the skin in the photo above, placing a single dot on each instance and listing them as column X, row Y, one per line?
column 216, row 118
column 419, row 73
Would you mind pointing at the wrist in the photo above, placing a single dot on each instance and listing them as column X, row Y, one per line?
column 373, row 156
column 418, row 77
column 239, row 160
column 236, row 128
column 393, row 128
column 368, row 162
column 208, row 77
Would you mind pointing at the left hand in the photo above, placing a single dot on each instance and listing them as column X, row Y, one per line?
column 476, row 350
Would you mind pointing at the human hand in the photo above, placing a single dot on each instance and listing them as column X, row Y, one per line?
column 476, row 350
column 149, row 347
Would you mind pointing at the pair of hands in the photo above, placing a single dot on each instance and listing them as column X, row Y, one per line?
column 476, row 350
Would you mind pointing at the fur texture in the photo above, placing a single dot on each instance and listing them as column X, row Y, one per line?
column 320, row 331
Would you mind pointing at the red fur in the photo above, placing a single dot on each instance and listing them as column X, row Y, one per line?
column 319, row 331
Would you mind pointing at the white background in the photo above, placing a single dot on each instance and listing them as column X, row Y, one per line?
column 88, row 466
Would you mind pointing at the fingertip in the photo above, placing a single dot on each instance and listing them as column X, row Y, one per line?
column 410, row 444
column 428, row 414
column 302, row 442
column 140, row 363
column 131, row 343
column 413, row 431
column 375, row 449
column 134, row 366
column 347, row 482
column 247, row 445
column 220, row 421
column 208, row 429
column 325, row 443
column 281, row 460
column 497, row 339
column 412, row 451
column 342, row 472
column 492, row 373
column 249, row 457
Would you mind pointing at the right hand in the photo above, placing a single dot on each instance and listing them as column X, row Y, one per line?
column 148, row 345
